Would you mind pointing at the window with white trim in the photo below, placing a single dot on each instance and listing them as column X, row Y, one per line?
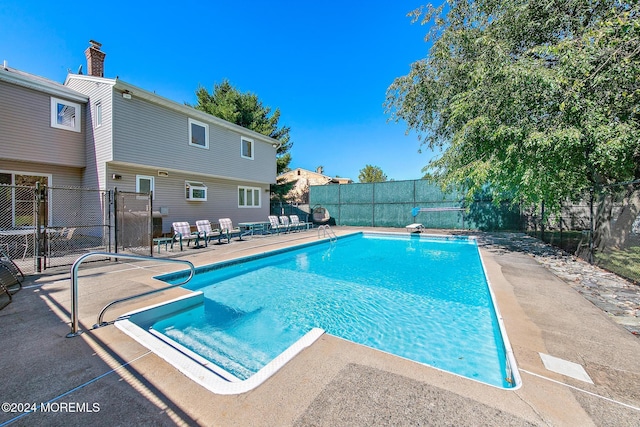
column 145, row 184
column 249, row 197
column 98, row 114
column 246, row 148
column 195, row 191
column 17, row 203
column 198, row 134
column 65, row 115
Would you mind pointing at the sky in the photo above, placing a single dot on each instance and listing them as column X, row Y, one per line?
column 326, row 65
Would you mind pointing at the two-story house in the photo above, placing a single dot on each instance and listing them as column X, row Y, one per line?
column 102, row 133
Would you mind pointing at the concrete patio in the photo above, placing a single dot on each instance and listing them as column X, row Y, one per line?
column 103, row 377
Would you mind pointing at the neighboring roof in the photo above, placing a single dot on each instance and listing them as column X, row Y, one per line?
column 165, row 102
column 294, row 173
column 31, row 81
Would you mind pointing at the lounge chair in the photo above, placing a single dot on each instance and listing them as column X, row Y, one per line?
column 227, row 229
column 415, row 228
column 5, row 297
column 182, row 232
column 295, row 223
column 206, row 232
column 275, row 226
column 15, row 270
column 284, row 222
column 8, row 279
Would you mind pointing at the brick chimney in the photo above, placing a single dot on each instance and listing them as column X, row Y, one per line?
column 95, row 59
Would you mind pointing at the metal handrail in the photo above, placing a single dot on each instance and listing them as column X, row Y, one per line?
column 74, row 285
column 326, row 229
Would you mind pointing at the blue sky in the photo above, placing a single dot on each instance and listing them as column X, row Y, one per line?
column 326, row 65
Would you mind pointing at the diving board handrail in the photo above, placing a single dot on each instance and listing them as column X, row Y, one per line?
column 74, row 285
column 326, row 230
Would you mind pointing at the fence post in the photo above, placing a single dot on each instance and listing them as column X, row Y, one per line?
column 40, row 224
column 373, row 205
column 592, row 225
column 542, row 221
column 115, row 219
column 150, row 223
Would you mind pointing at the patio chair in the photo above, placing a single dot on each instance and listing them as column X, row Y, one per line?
column 296, row 223
column 206, row 232
column 182, row 232
column 8, row 279
column 5, row 297
column 4, row 257
column 274, row 225
column 284, row 222
column 227, row 229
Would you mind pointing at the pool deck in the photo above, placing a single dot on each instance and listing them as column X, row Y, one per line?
column 550, row 306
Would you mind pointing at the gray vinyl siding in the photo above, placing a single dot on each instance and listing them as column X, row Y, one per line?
column 61, row 176
column 98, row 139
column 152, row 135
column 222, row 197
column 26, row 133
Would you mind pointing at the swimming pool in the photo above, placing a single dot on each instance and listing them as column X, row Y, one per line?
column 422, row 298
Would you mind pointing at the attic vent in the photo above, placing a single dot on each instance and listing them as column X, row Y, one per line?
column 163, row 173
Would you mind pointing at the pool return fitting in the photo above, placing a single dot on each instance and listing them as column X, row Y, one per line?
column 74, row 286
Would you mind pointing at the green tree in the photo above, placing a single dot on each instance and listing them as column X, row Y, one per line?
column 538, row 99
column 371, row 174
column 246, row 110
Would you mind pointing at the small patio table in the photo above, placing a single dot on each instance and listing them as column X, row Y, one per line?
column 251, row 228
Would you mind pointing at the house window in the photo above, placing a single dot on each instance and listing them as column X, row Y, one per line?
column 18, row 202
column 246, row 149
column 98, row 114
column 144, row 184
column 195, row 191
column 248, row 197
column 198, row 134
column 65, row 115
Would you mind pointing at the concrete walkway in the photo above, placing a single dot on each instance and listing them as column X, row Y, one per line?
column 103, row 377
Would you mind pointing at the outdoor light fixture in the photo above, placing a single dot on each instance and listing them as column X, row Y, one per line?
column 126, row 94
column 116, row 177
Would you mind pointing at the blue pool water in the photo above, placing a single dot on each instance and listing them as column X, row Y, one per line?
column 424, row 299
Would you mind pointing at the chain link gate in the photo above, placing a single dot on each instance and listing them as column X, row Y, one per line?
column 44, row 227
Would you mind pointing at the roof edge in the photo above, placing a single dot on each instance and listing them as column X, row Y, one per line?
column 173, row 105
column 40, row 84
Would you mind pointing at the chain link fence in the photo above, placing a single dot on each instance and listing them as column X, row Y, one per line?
column 43, row 227
column 603, row 227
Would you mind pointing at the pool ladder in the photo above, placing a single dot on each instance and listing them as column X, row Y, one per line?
column 326, row 230
column 74, row 286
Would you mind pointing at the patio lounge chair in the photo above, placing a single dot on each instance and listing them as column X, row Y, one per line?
column 284, row 222
column 8, row 279
column 15, row 270
column 5, row 297
column 295, row 223
column 227, row 229
column 275, row 226
column 182, row 232
column 206, row 232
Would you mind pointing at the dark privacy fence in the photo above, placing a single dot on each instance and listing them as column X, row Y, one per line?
column 390, row 204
